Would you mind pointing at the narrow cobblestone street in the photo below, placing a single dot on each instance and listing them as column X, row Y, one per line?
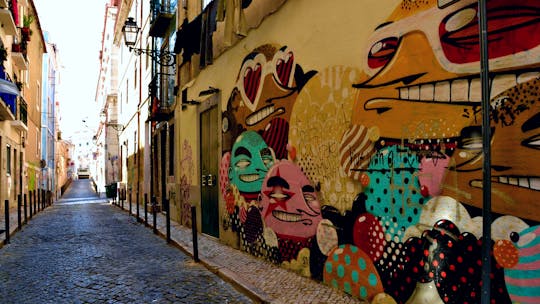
column 82, row 250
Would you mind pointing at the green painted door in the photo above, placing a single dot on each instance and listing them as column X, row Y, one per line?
column 209, row 132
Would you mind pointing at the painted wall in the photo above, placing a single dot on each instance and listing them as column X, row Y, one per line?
column 351, row 146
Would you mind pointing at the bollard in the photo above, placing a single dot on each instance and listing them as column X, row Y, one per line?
column 137, row 200
column 154, row 215
column 30, row 203
column 6, row 214
column 35, row 202
column 19, row 212
column 25, row 209
column 168, row 218
column 43, row 200
column 194, row 234
column 146, row 208
column 38, row 200
column 130, row 203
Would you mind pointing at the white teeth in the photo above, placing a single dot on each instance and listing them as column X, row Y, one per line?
column 414, row 93
column 249, row 177
column 426, row 92
column 404, row 93
column 513, row 181
column 259, row 115
column 460, row 90
column 524, row 182
column 286, row 216
column 528, row 76
column 463, row 90
column 502, row 83
column 534, row 183
column 475, row 90
column 442, row 91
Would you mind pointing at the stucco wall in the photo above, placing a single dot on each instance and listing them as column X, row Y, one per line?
column 351, row 152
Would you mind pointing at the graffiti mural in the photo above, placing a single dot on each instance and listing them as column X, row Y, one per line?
column 188, row 170
column 370, row 180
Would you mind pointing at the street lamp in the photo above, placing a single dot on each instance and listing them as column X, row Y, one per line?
column 131, row 32
column 116, row 126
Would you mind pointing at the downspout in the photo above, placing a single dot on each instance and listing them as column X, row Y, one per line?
column 139, row 124
column 486, row 150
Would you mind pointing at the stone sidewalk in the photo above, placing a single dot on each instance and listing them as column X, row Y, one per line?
column 262, row 281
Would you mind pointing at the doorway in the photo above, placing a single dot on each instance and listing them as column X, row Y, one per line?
column 209, row 147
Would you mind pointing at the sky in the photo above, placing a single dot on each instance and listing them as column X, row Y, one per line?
column 75, row 26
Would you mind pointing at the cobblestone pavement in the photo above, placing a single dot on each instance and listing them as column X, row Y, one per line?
column 84, row 250
column 261, row 280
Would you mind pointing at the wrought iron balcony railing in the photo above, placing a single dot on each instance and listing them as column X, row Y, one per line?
column 162, row 97
column 163, row 12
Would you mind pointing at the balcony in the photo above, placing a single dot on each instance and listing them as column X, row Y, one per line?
column 4, row 4
column 21, row 123
column 8, row 96
column 161, row 91
column 163, row 12
column 7, row 22
column 18, row 56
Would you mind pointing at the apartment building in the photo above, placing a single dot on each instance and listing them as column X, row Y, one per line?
column 22, row 50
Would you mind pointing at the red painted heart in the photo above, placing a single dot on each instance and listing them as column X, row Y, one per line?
column 252, row 81
column 284, row 69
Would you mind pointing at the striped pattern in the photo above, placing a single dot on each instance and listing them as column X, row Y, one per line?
column 284, row 69
column 523, row 280
column 355, row 151
column 276, row 136
column 252, row 81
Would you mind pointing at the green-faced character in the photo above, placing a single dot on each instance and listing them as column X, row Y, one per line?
column 250, row 160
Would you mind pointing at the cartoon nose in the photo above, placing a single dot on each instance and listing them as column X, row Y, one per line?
column 506, row 254
column 414, row 56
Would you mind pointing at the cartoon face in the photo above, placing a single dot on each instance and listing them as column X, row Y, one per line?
column 265, row 87
column 520, row 257
column 423, row 65
column 289, row 203
column 515, row 121
column 250, row 160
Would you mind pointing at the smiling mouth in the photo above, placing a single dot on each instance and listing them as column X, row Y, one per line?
column 249, row 178
column 462, row 90
column 531, row 183
column 290, row 217
column 262, row 114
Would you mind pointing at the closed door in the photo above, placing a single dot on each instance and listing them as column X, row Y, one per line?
column 209, row 147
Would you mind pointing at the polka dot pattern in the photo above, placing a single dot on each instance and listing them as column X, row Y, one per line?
column 368, row 235
column 224, row 173
column 394, row 192
column 350, row 269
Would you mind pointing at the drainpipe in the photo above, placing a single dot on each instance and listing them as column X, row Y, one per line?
column 486, row 137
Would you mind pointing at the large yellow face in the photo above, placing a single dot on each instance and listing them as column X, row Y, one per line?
column 422, row 88
column 422, row 66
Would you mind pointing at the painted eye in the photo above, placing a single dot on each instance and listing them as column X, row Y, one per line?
column 514, row 237
column 284, row 66
column 242, row 164
column 252, row 80
column 532, row 142
column 382, row 52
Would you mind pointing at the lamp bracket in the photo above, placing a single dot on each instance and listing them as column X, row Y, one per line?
column 117, row 127
column 163, row 58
